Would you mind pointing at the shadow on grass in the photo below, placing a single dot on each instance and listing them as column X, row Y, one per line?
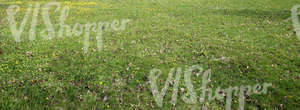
column 263, row 14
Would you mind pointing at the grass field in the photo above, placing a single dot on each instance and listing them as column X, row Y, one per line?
column 251, row 38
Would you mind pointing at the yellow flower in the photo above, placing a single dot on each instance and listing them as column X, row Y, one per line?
column 47, row 98
column 107, row 106
column 100, row 82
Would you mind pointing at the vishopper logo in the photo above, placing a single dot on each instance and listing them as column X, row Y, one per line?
column 295, row 19
column 49, row 32
column 191, row 96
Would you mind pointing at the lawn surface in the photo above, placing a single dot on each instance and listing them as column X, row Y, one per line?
column 251, row 39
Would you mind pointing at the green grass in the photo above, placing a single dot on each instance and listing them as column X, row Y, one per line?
column 252, row 34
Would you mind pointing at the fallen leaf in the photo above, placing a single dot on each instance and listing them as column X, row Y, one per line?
column 105, row 99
